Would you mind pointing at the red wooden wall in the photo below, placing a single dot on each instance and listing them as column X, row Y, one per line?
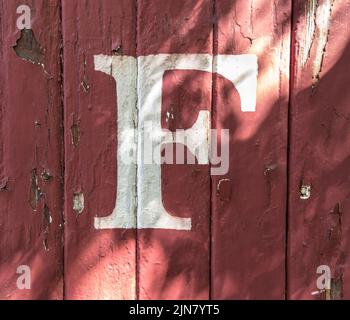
column 31, row 165
column 258, row 231
column 319, row 158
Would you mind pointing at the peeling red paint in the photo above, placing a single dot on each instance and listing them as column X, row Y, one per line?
column 259, row 231
column 248, row 227
column 99, row 264
column 319, row 133
column 29, row 96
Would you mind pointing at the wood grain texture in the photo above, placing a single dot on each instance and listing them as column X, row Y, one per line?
column 31, row 191
column 175, row 264
column 249, row 202
column 318, row 223
column 99, row 264
column 260, row 231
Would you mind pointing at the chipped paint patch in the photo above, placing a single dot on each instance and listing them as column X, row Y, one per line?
column 75, row 133
column 28, row 48
column 318, row 21
column 85, row 86
column 46, row 176
column 270, row 168
column 310, row 7
column 47, row 221
column 4, row 183
column 323, row 21
column 305, row 192
column 35, row 191
column 118, row 50
column 47, row 216
column 78, row 203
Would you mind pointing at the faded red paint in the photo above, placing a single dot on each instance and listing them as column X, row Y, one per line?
column 240, row 235
column 318, row 226
column 98, row 264
column 30, row 150
column 248, row 204
column 179, row 259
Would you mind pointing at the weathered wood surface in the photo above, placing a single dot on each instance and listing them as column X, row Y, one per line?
column 249, row 203
column 319, row 124
column 31, row 135
column 78, row 91
column 99, row 264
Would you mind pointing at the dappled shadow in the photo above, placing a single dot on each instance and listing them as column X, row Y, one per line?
column 237, row 247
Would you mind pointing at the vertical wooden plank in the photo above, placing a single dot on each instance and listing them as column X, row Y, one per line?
column 249, row 202
column 99, row 264
column 31, row 197
column 174, row 264
column 319, row 183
